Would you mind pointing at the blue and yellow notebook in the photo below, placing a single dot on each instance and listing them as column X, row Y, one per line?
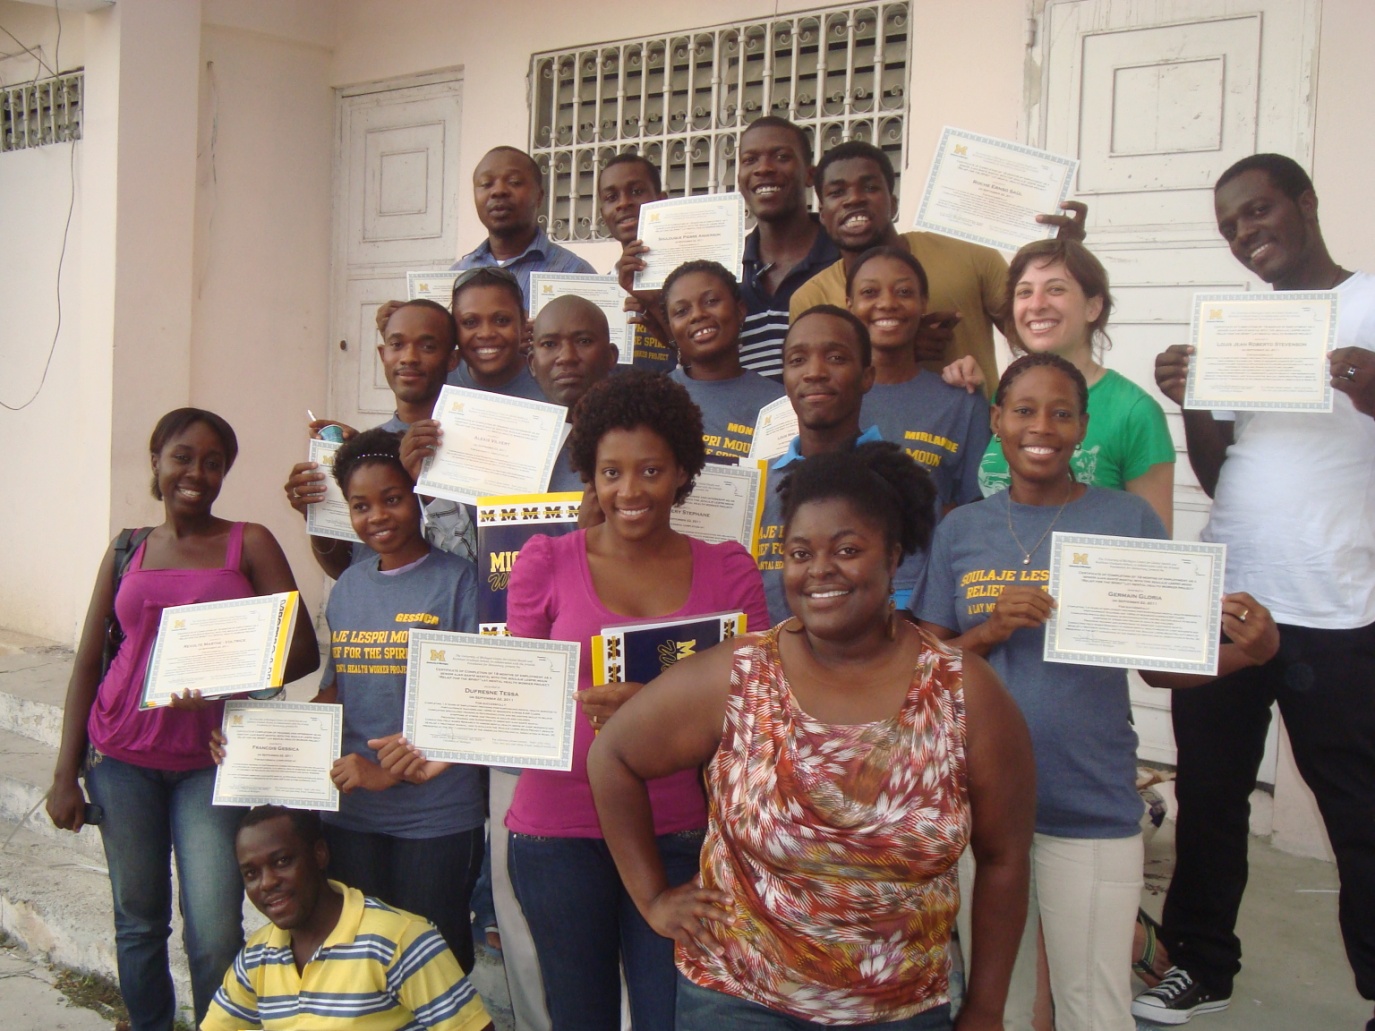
column 504, row 524
column 638, row 652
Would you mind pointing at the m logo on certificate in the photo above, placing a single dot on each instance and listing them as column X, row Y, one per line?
column 437, row 655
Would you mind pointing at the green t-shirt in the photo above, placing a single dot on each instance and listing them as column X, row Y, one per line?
column 1127, row 435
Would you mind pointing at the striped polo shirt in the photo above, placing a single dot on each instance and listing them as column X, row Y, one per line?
column 380, row 969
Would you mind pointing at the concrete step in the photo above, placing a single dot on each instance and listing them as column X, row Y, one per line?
column 26, row 768
column 33, row 688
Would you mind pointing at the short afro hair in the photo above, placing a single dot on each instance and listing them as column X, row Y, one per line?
column 804, row 140
column 178, row 421
column 687, row 268
column 306, row 822
column 852, row 150
column 371, row 447
column 895, row 254
column 434, row 306
column 878, row 479
column 1043, row 360
column 1286, row 173
column 632, row 399
column 634, row 157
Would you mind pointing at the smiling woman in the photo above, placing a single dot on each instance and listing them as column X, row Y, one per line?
column 150, row 770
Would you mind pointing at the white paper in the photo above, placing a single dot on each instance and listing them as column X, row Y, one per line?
column 1131, row 601
column 603, row 291
column 1262, row 352
column 280, row 753
column 989, row 191
column 433, row 285
column 220, row 647
column 774, row 431
column 330, row 517
column 707, row 226
column 725, row 505
column 492, row 444
column 503, row 701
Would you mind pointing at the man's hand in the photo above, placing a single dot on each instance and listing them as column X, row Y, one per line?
column 1071, row 226
column 935, row 331
column 420, row 442
column 354, row 773
column 384, row 313
column 1353, row 373
column 1172, row 370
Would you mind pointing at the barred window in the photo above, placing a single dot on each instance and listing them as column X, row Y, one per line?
column 35, row 114
column 683, row 99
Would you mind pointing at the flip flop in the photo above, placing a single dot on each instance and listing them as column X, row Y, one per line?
column 1144, row 968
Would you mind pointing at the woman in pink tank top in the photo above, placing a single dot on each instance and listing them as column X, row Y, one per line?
column 149, row 773
column 850, row 758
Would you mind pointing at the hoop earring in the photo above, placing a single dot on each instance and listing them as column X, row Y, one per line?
column 789, row 630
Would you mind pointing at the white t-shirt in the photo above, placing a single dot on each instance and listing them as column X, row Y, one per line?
column 1295, row 501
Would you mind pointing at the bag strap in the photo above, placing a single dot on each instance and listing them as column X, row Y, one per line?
column 125, row 545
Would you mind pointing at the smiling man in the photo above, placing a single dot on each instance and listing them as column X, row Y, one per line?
column 1294, row 501
column 331, row 959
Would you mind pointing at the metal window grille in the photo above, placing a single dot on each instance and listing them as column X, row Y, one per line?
column 38, row 113
column 683, row 100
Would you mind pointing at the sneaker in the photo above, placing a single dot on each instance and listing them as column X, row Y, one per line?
column 1176, row 999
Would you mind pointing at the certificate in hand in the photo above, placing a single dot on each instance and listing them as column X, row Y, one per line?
column 636, row 653
column 329, row 518
column 709, row 225
column 280, row 753
column 435, row 285
column 1130, row 601
column 726, row 504
column 500, row 701
column 989, row 191
column 1262, row 352
column 492, row 444
column 774, row 430
column 503, row 526
column 603, row 291
column 220, row 648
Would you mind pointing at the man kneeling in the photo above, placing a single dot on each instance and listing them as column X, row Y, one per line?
column 331, row 958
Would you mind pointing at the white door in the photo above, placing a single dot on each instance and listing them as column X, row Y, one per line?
column 1157, row 98
column 397, row 192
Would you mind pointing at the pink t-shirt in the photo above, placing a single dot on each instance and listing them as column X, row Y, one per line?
column 551, row 598
column 160, row 739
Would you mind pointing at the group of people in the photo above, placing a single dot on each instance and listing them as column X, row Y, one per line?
column 770, row 834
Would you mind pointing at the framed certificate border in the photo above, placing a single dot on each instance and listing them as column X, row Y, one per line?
column 1191, row 402
column 949, row 133
column 1061, row 542
column 647, row 280
column 617, row 320
column 271, row 665
column 333, row 713
column 571, row 651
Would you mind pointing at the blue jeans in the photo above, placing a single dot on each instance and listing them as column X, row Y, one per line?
column 585, row 926
column 151, row 815
column 431, row 877
column 702, row 1009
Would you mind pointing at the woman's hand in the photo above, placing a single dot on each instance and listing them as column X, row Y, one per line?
column 964, row 372
column 601, row 702
column 1249, row 625
column 217, row 743
column 1017, row 608
column 420, row 442
column 402, row 760
column 686, row 913
column 189, row 700
column 353, row 772
column 66, row 804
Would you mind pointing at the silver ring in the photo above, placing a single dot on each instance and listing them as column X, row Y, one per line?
column 1350, row 372
column 1244, row 614
column 294, row 495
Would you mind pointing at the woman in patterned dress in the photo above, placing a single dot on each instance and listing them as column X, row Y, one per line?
column 850, row 758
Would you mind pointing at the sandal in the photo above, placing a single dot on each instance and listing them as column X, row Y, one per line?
column 1153, row 949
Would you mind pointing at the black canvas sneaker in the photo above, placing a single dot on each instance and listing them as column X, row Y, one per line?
column 1176, row 999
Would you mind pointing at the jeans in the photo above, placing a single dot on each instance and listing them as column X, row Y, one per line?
column 1324, row 681
column 430, row 877
column 484, row 907
column 585, row 927
column 150, row 816
column 704, row 1009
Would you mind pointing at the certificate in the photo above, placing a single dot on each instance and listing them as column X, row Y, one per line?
column 503, row 526
column 280, row 753
column 709, row 225
column 1262, row 352
column 638, row 652
column 435, row 285
column 492, row 444
column 726, row 504
column 220, row 647
column 502, row 701
column 603, row 291
column 989, row 191
column 775, row 430
column 329, row 518
column 1129, row 601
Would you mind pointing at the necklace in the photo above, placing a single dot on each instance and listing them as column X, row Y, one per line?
column 1026, row 554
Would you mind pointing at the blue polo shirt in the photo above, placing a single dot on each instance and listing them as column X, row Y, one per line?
column 543, row 255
